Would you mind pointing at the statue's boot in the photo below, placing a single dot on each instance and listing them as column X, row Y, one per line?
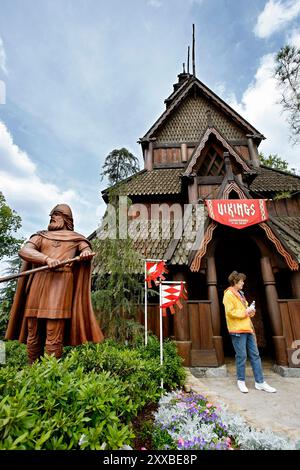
column 35, row 342
column 54, row 337
column 34, row 351
column 55, row 350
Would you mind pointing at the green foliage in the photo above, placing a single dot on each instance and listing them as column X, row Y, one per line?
column 7, row 293
column 287, row 73
column 276, row 162
column 282, row 195
column 118, row 288
column 16, row 355
column 118, row 165
column 173, row 372
column 86, row 400
column 47, row 406
column 118, row 283
column 10, row 222
column 161, row 439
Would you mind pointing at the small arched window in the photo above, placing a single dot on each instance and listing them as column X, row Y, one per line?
column 233, row 195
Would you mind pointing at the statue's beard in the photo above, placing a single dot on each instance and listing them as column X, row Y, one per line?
column 56, row 225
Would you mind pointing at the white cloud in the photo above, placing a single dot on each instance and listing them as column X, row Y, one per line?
column 294, row 38
column 260, row 106
column 32, row 197
column 275, row 16
column 2, row 57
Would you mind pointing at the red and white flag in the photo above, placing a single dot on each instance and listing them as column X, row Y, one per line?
column 155, row 271
column 171, row 295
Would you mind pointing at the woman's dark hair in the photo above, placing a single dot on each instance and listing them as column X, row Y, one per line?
column 235, row 277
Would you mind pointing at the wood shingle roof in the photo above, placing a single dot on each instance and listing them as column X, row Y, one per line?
column 271, row 180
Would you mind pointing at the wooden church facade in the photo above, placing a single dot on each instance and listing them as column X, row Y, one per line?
column 200, row 149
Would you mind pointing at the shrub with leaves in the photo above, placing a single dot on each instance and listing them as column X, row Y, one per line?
column 86, row 400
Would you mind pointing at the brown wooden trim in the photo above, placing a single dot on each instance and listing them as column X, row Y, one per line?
column 210, row 179
column 243, row 142
column 168, row 165
column 163, row 145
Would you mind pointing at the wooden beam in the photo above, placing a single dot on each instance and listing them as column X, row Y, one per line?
column 243, row 142
column 162, row 145
column 210, row 179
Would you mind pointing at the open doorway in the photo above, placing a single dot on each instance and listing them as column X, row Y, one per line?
column 237, row 251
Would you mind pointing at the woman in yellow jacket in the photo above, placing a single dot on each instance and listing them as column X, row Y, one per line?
column 240, row 327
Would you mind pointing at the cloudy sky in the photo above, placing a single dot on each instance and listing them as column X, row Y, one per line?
column 82, row 77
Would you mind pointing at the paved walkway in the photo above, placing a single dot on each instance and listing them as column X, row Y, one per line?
column 278, row 411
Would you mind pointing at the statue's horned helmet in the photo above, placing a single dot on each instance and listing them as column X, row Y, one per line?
column 65, row 210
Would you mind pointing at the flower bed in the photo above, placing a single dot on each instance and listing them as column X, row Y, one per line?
column 188, row 421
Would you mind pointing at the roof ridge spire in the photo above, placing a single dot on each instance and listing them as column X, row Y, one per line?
column 193, row 52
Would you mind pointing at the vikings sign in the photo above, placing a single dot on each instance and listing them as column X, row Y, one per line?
column 237, row 213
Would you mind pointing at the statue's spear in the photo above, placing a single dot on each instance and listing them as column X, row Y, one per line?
column 36, row 270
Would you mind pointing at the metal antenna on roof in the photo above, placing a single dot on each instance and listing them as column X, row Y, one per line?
column 193, row 52
column 188, row 60
column 183, row 66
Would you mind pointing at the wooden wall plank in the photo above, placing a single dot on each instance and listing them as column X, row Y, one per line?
column 286, row 323
column 206, row 333
column 194, row 325
column 294, row 312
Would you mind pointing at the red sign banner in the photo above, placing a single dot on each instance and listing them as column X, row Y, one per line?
column 237, row 213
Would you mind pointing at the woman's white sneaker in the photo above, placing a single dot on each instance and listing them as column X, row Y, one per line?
column 242, row 386
column 266, row 387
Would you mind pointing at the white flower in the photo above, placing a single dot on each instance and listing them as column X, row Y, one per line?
column 82, row 439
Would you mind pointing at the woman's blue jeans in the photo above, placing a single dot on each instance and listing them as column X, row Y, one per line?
column 244, row 343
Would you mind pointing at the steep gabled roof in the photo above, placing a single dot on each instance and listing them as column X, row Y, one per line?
column 181, row 93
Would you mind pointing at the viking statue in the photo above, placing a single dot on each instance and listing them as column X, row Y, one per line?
column 53, row 307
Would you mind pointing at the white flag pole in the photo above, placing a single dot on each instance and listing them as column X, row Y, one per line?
column 146, row 296
column 161, row 321
column 161, row 332
column 146, row 306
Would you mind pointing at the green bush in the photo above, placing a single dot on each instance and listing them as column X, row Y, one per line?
column 173, row 372
column 49, row 406
column 83, row 401
column 16, row 355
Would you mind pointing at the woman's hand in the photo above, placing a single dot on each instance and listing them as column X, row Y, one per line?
column 250, row 312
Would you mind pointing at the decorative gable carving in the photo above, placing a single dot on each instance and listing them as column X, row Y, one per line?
column 199, row 153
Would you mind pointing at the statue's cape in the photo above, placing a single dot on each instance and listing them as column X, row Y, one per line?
column 62, row 235
column 82, row 326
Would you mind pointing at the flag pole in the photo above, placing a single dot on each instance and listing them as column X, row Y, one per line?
column 161, row 321
column 146, row 306
column 161, row 333
column 146, row 296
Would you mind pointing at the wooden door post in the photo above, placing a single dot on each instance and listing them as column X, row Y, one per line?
column 274, row 310
column 211, row 279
